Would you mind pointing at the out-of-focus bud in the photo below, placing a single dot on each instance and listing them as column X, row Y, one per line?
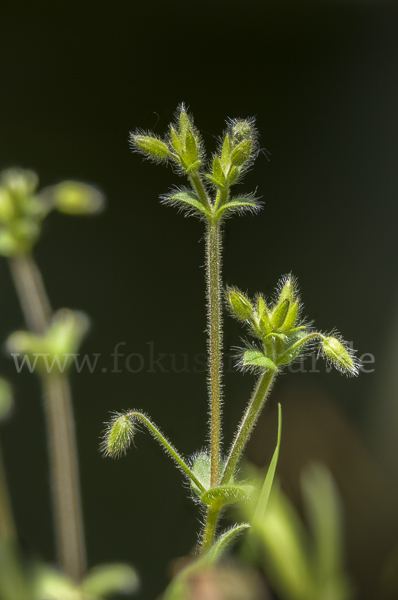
column 76, row 198
column 19, row 182
column 6, row 401
column 240, row 304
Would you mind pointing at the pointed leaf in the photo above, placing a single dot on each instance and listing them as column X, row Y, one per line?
column 256, row 358
column 176, row 141
column 267, row 485
column 201, row 469
column 279, row 314
column 239, row 204
column 185, row 124
column 188, row 198
column 292, row 348
column 217, row 183
column 217, row 169
column 106, row 580
column 191, row 149
column 221, row 545
column 226, row 153
column 221, row 495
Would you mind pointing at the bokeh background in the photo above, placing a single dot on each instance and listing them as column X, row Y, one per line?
column 321, row 79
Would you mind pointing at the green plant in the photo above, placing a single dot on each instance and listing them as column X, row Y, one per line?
column 49, row 345
column 281, row 334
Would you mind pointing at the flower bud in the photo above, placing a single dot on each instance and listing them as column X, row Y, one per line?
column 279, row 314
column 239, row 304
column 242, row 130
column 150, row 146
column 288, row 290
column 75, row 198
column 241, row 153
column 119, row 435
column 339, row 355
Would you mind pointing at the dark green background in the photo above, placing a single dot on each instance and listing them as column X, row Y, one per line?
column 321, row 79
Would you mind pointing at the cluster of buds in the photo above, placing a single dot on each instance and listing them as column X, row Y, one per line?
column 184, row 148
column 23, row 207
column 282, row 334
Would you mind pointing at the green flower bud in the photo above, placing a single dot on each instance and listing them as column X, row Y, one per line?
column 339, row 355
column 241, row 153
column 291, row 317
column 288, row 290
column 19, row 182
column 242, row 130
column 279, row 314
column 75, row 198
column 119, row 435
column 7, row 211
column 150, row 146
column 240, row 305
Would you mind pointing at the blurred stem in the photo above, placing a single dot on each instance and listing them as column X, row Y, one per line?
column 7, row 526
column 213, row 263
column 60, row 425
column 210, row 529
column 247, row 423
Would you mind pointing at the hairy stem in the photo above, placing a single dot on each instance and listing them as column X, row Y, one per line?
column 213, row 264
column 166, row 444
column 60, row 425
column 247, row 423
column 210, row 529
column 7, row 526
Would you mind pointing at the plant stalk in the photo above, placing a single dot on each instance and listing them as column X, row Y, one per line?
column 213, row 263
column 248, row 422
column 210, row 529
column 7, row 526
column 60, row 425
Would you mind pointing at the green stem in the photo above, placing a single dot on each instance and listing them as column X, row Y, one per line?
column 60, row 425
column 213, row 263
column 167, row 445
column 7, row 526
column 247, row 423
column 199, row 188
column 210, row 529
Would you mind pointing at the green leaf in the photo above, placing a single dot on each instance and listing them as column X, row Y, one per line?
column 185, row 124
column 267, row 485
column 256, row 358
column 220, row 546
column 219, row 496
column 292, row 348
column 226, row 153
column 217, row 169
column 106, row 580
column 238, row 204
column 176, row 141
column 187, row 198
column 201, row 468
column 191, row 154
column 216, row 182
column 279, row 314
column 233, row 175
column 291, row 317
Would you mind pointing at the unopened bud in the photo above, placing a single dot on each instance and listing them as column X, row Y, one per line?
column 75, row 198
column 240, row 305
column 150, row 146
column 119, row 436
column 338, row 354
column 241, row 153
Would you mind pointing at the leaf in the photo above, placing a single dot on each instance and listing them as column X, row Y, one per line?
column 238, row 204
column 226, row 152
column 267, row 485
column 187, row 198
column 201, row 469
column 256, row 358
column 106, row 580
column 179, row 588
column 221, row 495
column 217, row 169
column 220, row 546
column 292, row 348
column 217, row 183
column 176, row 141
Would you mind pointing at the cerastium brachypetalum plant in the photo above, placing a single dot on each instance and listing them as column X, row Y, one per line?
column 280, row 332
column 50, row 345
